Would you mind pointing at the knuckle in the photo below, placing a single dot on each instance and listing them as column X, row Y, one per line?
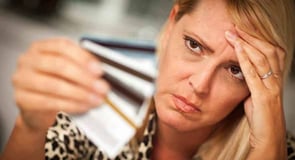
column 18, row 98
column 67, row 73
column 49, row 64
column 108, row 87
column 82, row 95
column 15, row 79
column 74, row 77
column 283, row 55
column 74, row 73
column 21, row 60
column 64, row 89
column 43, row 63
column 272, row 54
column 251, row 72
column 57, row 64
column 88, row 81
column 75, row 108
column 35, row 46
column 105, row 86
column 60, row 88
column 261, row 61
column 66, row 69
column 270, row 50
column 51, row 86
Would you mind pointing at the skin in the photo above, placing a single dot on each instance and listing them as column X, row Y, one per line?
column 205, row 80
column 203, row 77
column 264, row 109
column 53, row 75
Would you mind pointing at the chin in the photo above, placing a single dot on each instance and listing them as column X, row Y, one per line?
column 176, row 120
column 169, row 116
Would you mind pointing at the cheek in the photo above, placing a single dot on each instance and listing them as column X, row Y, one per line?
column 166, row 80
column 226, row 98
column 171, row 72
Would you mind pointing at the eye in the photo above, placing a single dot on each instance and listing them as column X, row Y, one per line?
column 236, row 72
column 193, row 45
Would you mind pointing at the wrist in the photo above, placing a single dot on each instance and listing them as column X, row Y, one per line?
column 25, row 142
column 36, row 121
column 270, row 152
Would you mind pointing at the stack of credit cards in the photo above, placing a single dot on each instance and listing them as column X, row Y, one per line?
column 112, row 125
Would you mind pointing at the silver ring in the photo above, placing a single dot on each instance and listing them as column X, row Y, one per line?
column 266, row 75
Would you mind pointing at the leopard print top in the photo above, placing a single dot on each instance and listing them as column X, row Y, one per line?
column 64, row 141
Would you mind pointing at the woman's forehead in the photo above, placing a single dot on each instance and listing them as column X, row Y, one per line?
column 211, row 13
column 209, row 22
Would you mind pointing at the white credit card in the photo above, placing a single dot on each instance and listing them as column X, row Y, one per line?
column 106, row 129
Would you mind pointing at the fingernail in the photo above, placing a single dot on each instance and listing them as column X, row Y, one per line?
column 95, row 67
column 94, row 99
column 230, row 36
column 100, row 87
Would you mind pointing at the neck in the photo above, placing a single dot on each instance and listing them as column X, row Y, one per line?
column 170, row 143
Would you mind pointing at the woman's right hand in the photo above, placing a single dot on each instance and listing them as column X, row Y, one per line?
column 56, row 75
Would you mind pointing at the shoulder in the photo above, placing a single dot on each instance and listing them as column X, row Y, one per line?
column 290, row 146
column 65, row 141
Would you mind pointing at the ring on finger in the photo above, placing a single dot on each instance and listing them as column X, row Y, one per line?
column 266, row 75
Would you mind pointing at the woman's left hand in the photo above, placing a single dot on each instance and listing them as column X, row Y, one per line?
column 262, row 65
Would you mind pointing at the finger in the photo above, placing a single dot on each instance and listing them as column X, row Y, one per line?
column 30, row 101
column 273, row 54
column 253, row 80
column 70, row 50
column 260, row 63
column 257, row 59
column 67, row 70
column 282, row 58
column 56, row 87
column 248, row 107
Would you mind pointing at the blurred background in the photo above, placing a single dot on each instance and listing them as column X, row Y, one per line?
column 25, row 21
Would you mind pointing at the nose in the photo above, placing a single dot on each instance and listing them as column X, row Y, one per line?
column 201, row 82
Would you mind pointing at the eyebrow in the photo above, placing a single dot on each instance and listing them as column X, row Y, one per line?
column 203, row 43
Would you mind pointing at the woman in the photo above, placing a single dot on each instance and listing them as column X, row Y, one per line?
column 220, row 97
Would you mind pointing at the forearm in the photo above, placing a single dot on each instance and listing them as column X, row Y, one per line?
column 269, row 153
column 25, row 143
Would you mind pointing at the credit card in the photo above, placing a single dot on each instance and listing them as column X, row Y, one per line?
column 113, row 124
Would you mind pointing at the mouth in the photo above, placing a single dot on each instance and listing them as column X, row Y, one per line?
column 183, row 105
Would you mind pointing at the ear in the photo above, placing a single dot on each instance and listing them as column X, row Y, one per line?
column 171, row 20
column 173, row 12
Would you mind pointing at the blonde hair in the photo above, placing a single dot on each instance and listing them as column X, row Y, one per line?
column 270, row 20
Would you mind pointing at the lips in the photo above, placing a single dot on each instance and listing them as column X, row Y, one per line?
column 184, row 105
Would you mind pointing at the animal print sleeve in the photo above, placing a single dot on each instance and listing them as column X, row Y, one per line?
column 65, row 141
column 290, row 146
